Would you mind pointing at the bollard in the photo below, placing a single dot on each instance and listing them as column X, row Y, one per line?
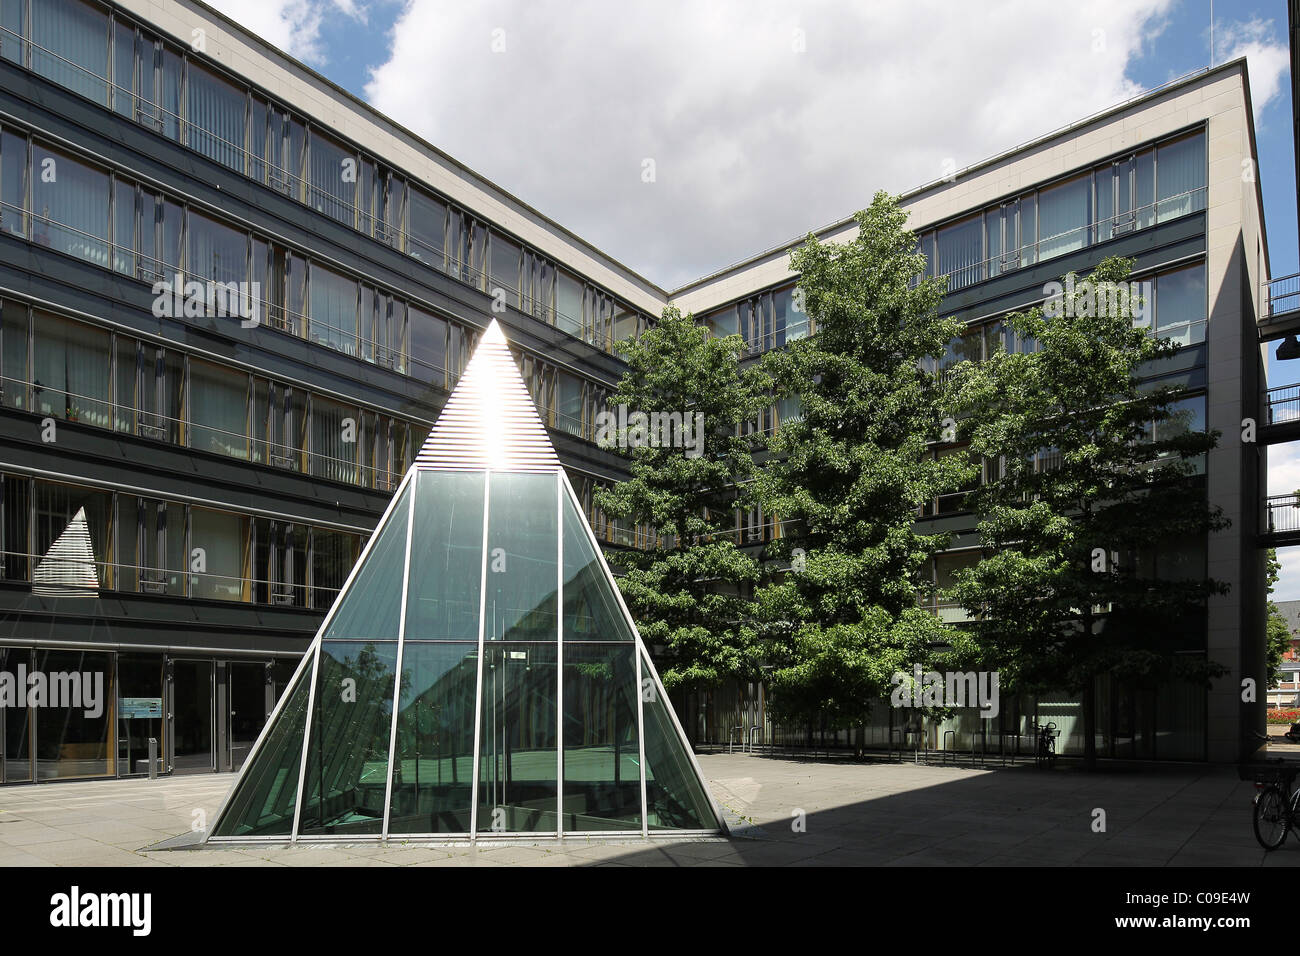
column 153, row 758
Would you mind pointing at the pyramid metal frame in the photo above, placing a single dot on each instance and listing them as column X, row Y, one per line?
column 491, row 389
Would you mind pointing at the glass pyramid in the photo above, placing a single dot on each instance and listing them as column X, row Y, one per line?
column 478, row 674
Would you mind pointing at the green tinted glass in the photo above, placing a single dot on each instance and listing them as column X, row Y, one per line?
column 371, row 605
column 517, row 763
column 446, row 557
column 433, row 771
column 523, row 545
column 675, row 797
column 347, row 756
column 602, row 776
column 591, row 611
column 264, row 803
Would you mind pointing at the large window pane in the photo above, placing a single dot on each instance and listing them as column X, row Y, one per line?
column 70, row 45
column 263, row 805
column 1063, row 217
column 1181, row 305
column 961, row 252
column 333, row 178
column 602, row 775
column 71, row 542
column 568, row 303
column 216, row 120
column 218, row 409
column 13, row 184
column 351, row 721
column 332, row 555
column 517, row 762
column 371, row 607
column 428, row 346
column 70, row 205
column 335, row 430
column 675, row 798
column 219, row 254
column 568, row 403
column 13, row 345
column 333, row 310
column 505, row 267
column 1180, row 177
column 70, row 370
column 591, row 611
column 75, row 741
column 523, row 531
column 428, row 223
column 433, row 768
column 447, row 568
column 223, row 538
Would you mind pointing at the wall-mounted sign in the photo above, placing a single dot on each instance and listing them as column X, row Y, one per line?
column 134, row 708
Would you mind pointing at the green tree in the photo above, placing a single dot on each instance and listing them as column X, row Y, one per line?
column 688, row 592
column 1277, row 632
column 852, row 474
column 1092, row 505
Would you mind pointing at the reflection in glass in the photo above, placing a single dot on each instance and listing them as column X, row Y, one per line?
column 73, row 741
column 517, row 786
column 522, row 551
column 591, row 611
column 347, row 757
column 372, row 605
column 602, row 777
column 675, row 798
column 433, row 770
column 263, row 804
column 447, row 562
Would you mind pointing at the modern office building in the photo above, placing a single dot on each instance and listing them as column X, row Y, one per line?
column 235, row 299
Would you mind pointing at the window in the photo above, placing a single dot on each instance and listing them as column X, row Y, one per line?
column 223, row 538
column 1063, row 217
column 428, row 224
column 1180, row 177
column 796, row 321
column 75, row 34
column 217, row 253
column 169, row 99
column 723, row 323
column 568, row 303
column 218, row 409
column 332, row 555
column 13, row 184
column 333, row 310
column 568, row 403
column 1181, row 305
column 334, row 439
column 216, row 120
column 81, row 517
column 70, row 370
column 70, row 202
column 13, row 348
column 961, row 252
column 333, row 178
column 12, row 29
column 428, row 346
column 505, row 267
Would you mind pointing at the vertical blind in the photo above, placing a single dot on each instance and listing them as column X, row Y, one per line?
column 70, row 46
column 216, row 117
column 71, row 201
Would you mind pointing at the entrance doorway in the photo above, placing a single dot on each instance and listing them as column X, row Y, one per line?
column 248, row 709
column 194, row 714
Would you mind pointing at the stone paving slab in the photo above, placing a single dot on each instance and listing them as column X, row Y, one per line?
column 796, row 812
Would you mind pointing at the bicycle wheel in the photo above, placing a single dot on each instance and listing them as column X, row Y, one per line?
column 1271, row 818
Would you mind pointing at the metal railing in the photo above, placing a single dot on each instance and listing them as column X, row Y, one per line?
column 1283, row 513
column 1283, row 404
column 1281, row 296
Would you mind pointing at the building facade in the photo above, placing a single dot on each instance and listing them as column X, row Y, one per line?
column 234, row 298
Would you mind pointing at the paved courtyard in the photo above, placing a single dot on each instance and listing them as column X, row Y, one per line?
column 802, row 812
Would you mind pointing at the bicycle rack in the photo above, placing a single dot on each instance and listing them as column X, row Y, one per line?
column 943, row 760
column 753, row 732
column 731, row 740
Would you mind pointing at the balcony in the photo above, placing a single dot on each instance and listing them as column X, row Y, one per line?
column 1282, row 526
column 1279, row 313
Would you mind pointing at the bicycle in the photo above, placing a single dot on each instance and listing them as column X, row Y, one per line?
column 1277, row 806
column 1045, row 755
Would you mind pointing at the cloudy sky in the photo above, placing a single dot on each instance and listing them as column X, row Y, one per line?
column 766, row 118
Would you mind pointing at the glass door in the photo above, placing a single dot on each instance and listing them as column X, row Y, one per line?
column 193, row 698
column 17, row 724
column 247, row 708
column 140, row 713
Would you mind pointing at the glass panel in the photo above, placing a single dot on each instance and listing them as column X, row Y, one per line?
column 18, row 723
column 70, row 202
column 1063, row 217
column 74, row 725
column 13, row 344
column 961, row 252
column 428, row 221
column 334, row 435
column 332, row 555
column 75, row 34
column 70, row 370
column 263, row 804
column 568, row 403
column 447, row 563
column 13, row 184
column 218, row 409
column 1146, row 189
column 333, row 310
column 223, row 538
column 333, row 178
column 517, row 765
column 568, row 303
column 218, row 254
column 347, row 757
column 123, row 227
column 11, row 29
column 602, row 776
column 591, row 611
column 993, row 230
column 216, row 117
column 1181, row 305
column 371, row 607
column 522, row 551
column 1180, row 177
column 505, row 267
column 675, row 797
column 428, row 346
column 434, row 760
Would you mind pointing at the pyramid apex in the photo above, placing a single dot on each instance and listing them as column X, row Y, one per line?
column 489, row 420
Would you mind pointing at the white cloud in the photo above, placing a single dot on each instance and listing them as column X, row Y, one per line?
column 292, row 25
column 1268, row 59
column 754, row 141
